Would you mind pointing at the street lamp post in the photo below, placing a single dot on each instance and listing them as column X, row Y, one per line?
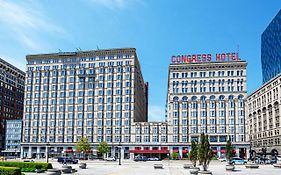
column 47, row 152
column 119, row 147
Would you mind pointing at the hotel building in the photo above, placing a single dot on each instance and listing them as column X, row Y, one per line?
column 11, row 96
column 207, row 97
column 98, row 94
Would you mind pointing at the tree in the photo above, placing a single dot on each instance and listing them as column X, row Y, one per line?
column 83, row 146
column 204, row 152
column 103, row 148
column 175, row 155
column 193, row 155
column 229, row 151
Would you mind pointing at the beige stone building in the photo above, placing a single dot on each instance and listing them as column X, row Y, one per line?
column 68, row 95
column 263, row 113
column 207, row 98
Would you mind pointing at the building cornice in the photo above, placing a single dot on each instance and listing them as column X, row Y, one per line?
column 81, row 53
column 264, row 86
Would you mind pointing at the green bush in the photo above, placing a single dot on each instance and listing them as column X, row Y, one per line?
column 215, row 158
column 9, row 171
column 38, row 166
column 27, row 166
column 28, row 170
column 175, row 155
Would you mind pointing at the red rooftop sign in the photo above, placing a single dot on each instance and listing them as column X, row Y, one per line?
column 200, row 58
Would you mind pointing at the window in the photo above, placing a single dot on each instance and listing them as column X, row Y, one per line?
column 213, row 139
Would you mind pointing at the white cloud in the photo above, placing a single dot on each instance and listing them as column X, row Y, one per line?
column 156, row 113
column 115, row 4
column 24, row 20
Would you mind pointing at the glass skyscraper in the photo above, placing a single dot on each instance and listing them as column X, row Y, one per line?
column 271, row 49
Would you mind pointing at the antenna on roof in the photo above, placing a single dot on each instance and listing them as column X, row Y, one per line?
column 60, row 50
column 238, row 48
column 98, row 47
column 78, row 49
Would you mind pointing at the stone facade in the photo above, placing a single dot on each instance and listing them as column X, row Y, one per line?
column 208, row 98
column 263, row 113
column 94, row 94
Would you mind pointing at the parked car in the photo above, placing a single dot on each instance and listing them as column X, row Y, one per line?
column 141, row 158
column 238, row 160
column 222, row 159
column 67, row 160
column 110, row 159
column 153, row 158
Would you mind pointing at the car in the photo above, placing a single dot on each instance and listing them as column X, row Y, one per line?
column 222, row 159
column 140, row 158
column 153, row 159
column 110, row 159
column 238, row 160
column 273, row 161
column 67, row 160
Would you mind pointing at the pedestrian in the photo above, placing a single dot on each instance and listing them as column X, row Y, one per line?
column 64, row 162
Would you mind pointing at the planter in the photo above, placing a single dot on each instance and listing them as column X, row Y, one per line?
column 229, row 167
column 83, row 165
column 53, row 172
column 277, row 165
column 38, row 171
column 205, row 172
column 194, row 170
column 252, row 166
column 66, row 169
column 187, row 166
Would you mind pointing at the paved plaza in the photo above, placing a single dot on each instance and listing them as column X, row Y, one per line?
column 128, row 167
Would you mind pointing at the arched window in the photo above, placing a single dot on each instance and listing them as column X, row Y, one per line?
column 184, row 98
column 184, row 103
column 176, row 98
column 194, row 102
column 240, row 101
column 203, row 98
column 221, row 102
column 221, row 97
column 212, row 97
column 240, row 97
column 193, row 98
column 175, row 103
column 203, row 102
column 231, row 97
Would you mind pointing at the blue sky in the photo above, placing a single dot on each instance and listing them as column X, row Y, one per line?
column 157, row 29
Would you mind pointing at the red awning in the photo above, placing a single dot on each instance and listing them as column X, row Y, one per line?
column 88, row 151
column 149, row 151
column 175, row 151
column 222, row 151
column 185, row 151
column 215, row 151
column 69, row 151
